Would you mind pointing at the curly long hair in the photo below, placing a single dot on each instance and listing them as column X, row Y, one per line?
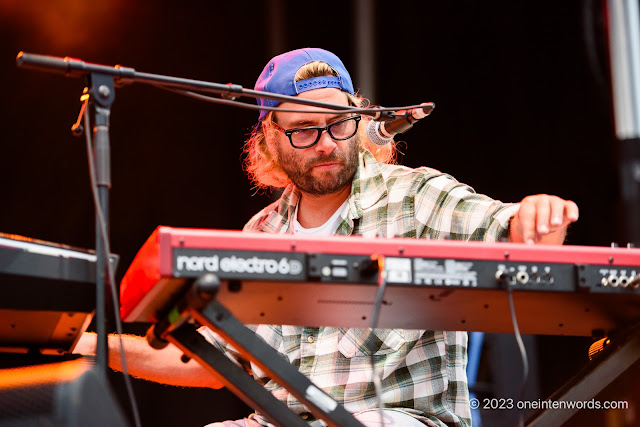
column 260, row 162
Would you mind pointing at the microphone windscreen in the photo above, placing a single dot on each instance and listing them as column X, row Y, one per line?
column 374, row 135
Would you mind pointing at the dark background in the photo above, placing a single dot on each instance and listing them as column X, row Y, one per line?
column 523, row 107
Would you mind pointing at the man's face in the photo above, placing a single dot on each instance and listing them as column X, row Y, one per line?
column 327, row 167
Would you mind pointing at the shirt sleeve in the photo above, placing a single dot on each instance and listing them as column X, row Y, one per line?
column 446, row 208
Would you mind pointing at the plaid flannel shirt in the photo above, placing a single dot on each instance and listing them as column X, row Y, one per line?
column 423, row 372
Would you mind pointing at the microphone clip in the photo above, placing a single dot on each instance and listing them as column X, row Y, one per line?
column 386, row 116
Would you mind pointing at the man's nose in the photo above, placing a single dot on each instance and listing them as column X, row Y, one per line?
column 325, row 144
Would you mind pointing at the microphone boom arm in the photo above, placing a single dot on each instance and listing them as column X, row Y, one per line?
column 74, row 67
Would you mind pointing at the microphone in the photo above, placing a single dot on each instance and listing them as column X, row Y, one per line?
column 382, row 132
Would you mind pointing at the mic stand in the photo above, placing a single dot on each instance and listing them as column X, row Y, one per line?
column 101, row 95
column 101, row 80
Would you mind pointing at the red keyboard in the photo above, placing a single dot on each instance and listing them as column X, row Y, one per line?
column 439, row 285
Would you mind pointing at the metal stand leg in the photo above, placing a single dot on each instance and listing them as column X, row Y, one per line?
column 199, row 304
column 193, row 344
column 585, row 386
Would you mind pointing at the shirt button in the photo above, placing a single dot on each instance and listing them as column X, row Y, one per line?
column 310, row 339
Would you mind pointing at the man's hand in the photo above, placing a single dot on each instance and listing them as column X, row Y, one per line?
column 542, row 219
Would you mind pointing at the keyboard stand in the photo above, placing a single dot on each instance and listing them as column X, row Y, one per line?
column 199, row 304
column 618, row 356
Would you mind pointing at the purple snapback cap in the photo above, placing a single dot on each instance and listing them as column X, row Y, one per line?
column 279, row 74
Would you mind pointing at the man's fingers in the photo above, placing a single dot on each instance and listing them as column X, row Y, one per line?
column 557, row 212
column 527, row 221
column 571, row 211
column 543, row 212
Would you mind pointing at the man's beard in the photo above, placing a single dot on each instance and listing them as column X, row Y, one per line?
column 299, row 171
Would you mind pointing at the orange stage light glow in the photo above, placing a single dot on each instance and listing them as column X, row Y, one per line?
column 43, row 374
column 62, row 25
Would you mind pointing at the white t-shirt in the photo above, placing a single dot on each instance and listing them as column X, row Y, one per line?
column 326, row 229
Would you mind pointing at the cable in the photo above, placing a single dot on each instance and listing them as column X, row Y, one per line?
column 382, row 284
column 523, row 351
column 107, row 251
column 233, row 103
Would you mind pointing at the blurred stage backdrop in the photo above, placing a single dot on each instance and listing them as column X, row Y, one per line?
column 523, row 102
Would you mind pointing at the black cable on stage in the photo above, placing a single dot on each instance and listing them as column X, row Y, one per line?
column 107, row 252
column 382, row 284
column 523, row 351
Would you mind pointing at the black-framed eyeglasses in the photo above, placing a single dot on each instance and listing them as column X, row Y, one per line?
column 309, row 136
